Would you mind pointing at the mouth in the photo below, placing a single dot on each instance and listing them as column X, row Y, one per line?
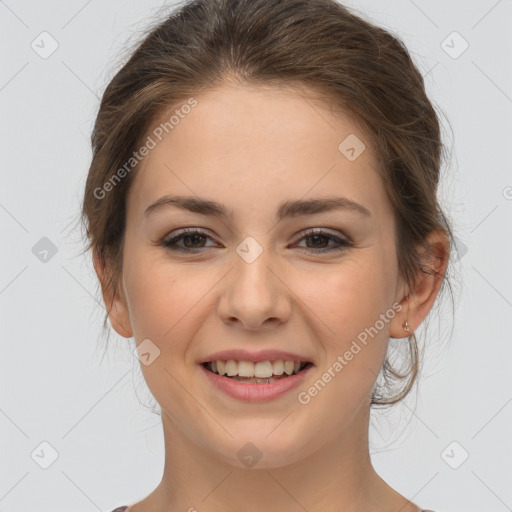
column 263, row 372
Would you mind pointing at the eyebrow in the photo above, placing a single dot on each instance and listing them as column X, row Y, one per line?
column 286, row 209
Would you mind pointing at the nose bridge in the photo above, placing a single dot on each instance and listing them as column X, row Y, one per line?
column 252, row 262
column 253, row 293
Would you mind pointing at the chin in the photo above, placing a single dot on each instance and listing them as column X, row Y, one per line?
column 257, row 449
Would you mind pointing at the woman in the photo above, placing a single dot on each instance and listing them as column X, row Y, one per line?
column 261, row 209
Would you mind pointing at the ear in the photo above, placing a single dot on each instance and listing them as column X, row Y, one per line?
column 417, row 304
column 118, row 312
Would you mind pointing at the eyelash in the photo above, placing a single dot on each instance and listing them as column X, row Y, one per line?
column 171, row 243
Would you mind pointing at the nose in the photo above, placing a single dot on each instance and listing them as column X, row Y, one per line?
column 255, row 295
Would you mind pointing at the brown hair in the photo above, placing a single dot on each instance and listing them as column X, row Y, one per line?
column 352, row 64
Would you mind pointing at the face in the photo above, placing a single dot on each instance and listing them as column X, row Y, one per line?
column 307, row 280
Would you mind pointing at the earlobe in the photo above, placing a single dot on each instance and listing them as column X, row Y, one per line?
column 115, row 304
column 417, row 304
column 400, row 326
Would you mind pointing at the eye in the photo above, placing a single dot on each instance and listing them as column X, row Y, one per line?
column 320, row 237
column 192, row 238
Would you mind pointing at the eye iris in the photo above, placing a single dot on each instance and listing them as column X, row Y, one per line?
column 316, row 237
column 188, row 237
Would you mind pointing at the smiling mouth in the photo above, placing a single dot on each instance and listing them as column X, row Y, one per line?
column 261, row 373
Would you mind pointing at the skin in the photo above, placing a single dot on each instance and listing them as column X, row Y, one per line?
column 250, row 148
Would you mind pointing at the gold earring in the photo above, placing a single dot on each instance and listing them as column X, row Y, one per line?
column 405, row 325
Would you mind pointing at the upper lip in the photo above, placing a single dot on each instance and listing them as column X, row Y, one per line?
column 255, row 357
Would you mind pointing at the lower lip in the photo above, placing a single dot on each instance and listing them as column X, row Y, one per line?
column 255, row 392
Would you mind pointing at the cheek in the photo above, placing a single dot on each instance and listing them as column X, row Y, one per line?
column 160, row 295
column 347, row 303
column 354, row 293
column 164, row 306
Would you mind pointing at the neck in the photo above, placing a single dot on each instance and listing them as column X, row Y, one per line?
column 338, row 476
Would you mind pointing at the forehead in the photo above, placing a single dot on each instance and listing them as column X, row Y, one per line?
column 258, row 144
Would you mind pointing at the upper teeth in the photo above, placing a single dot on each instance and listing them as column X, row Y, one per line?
column 261, row 370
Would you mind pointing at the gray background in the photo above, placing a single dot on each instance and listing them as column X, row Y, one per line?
column 96, row 414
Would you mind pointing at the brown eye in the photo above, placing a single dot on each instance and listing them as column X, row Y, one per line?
column 320, row 240
column 193, row 241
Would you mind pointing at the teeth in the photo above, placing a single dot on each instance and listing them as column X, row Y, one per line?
column 231, row 368
column 278, row 367
column 257, row 381
column 260, row 370
column 288, row 367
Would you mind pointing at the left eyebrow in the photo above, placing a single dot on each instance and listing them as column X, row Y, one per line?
column 286, row 209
